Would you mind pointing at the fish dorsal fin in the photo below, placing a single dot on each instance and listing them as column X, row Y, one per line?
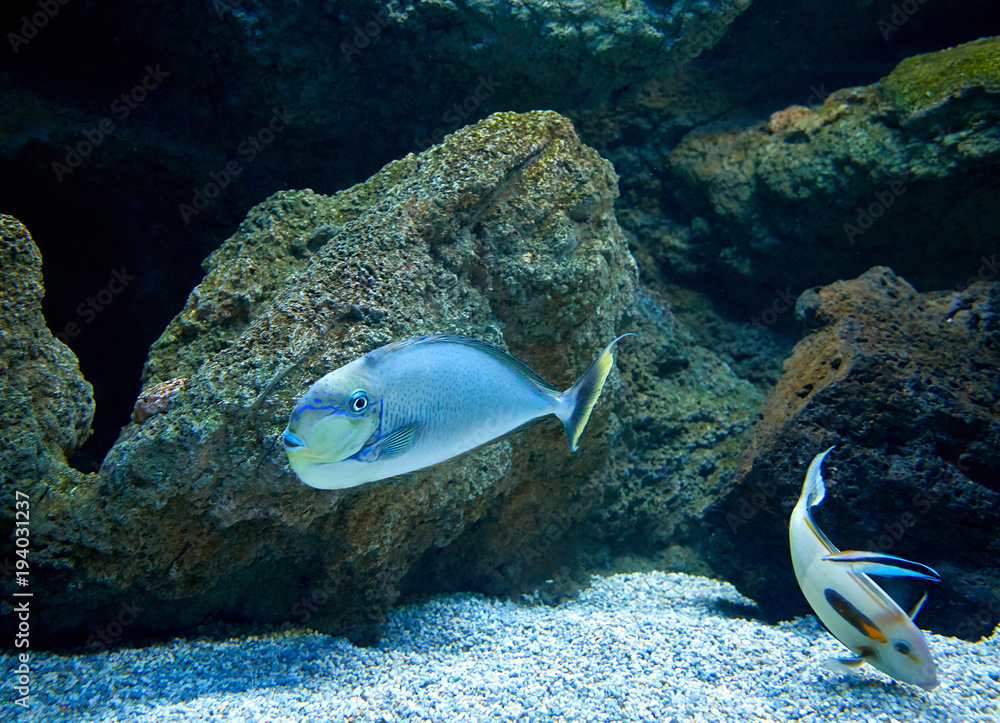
column 498, row 354
column 882, row 565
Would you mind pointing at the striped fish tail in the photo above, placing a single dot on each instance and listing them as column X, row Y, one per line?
column 813, row 490
column 579, row 400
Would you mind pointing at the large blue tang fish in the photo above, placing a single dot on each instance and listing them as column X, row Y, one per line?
column 414, row 403
column 857, row 611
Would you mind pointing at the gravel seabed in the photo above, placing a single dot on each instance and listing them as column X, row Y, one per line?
column 633, row 647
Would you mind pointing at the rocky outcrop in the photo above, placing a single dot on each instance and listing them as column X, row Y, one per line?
column 46, row 406
column 906, row 386
column 891, row 173
column 504, row 232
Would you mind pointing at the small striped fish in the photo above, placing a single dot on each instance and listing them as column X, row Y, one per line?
column 852, row 607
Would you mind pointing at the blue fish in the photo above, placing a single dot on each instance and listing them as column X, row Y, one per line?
column 414, row 403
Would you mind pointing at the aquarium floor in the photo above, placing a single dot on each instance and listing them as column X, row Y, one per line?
column 633, row 647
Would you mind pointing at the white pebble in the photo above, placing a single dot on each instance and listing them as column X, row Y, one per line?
column 633, row 647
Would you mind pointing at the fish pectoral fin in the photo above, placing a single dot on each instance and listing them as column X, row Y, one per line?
column 843, row 665
column 849, row 665
column 877, row 563
column 391, row 446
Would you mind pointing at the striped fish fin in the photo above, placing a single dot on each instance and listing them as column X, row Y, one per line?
column 877, row 563
column 813, row 490
column 915, row 610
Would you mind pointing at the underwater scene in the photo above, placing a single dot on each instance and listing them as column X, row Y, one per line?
column 500, row 360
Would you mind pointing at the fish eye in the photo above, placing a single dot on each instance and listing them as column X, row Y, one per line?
column 902, row 648
column 358, row 403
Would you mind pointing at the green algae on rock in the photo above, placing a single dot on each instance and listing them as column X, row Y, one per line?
column 923, row 83
column 816, row 194
column 503, row 232
column 47, row 405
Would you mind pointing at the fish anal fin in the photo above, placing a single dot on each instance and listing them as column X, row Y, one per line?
column 843, row 665
column 882, row 565
column 849, row 665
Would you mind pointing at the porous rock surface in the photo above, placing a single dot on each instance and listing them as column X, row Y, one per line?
column 43, row 394
column 509, row 226
column 906, row 385
column 820, row 192
column 506, row 233
column 46, row 406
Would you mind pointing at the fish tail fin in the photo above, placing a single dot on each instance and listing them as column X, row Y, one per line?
column 813, row 491
column 578, row 401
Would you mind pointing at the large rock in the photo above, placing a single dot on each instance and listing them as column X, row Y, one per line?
column 504, row 233
column 891, row 173
column 46, row 406
column 906, row 386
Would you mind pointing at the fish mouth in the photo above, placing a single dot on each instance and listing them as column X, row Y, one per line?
column 291, row 441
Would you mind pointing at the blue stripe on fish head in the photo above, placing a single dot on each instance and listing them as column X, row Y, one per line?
column 333, row 420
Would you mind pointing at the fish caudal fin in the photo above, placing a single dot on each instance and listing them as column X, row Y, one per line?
column 813, row 491
column 579, row 400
